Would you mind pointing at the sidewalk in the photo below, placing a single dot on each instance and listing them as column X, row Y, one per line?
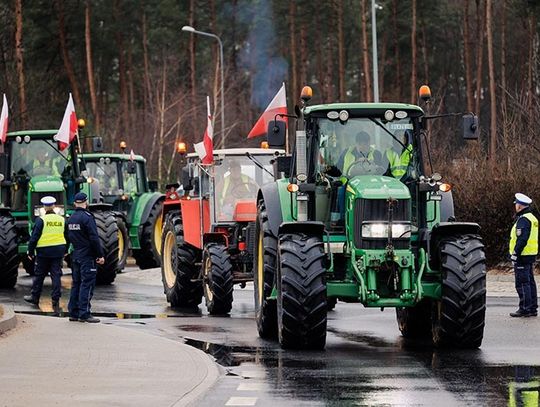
column 51, row 361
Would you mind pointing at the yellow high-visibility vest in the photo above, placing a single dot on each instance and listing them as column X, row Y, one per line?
column 531, row 249
column 349, row 159
column 399, row 163
column 53, row 231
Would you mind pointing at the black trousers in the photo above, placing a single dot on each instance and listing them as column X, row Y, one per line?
column 44, row 266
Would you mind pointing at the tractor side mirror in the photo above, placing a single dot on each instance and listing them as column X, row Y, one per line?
column 131, row 168
column 470, row 126
column 153, row 186
column 276, row 133
column 283, row 164
column 186, row 179
column 97, row 144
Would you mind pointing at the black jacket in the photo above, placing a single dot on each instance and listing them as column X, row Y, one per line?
column 83, row 235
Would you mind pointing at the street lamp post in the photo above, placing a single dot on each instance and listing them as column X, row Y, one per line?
column 190, row 29
column 374, row 7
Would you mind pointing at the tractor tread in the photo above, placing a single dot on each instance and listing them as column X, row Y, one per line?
column 9, row 257
column 221, row 279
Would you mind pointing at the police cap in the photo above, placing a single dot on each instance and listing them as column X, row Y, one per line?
column 522, row 199
column 48, row 200
column 80, row 197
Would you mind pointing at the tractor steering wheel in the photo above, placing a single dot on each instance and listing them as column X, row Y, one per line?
column 249, row 187
column 363, row 166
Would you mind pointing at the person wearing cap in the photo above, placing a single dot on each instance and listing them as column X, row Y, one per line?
column 523, row 250
column 48, row 241
column 87, row 251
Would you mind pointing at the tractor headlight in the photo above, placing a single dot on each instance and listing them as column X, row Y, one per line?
column 380, row 230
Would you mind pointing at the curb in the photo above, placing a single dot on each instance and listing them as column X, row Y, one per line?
column 8, row 320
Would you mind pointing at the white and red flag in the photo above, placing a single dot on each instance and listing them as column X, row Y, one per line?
column 4, row 120
column 68, row 128
column 205, row 149
column 278, row 105
column 131, row 156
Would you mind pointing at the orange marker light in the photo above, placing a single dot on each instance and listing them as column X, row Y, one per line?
column 81, row 123
column 181, row 147
column 445, row 187
column 292, row 188
column 264, row 144
column 123, row 145
column 424, row 93
column 307, row 93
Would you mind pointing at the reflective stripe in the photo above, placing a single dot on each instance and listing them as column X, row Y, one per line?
column 531, row 248
column 53, row 231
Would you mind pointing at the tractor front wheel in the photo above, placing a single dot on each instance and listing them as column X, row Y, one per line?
column 217, row 279
column 301, row 305
column 9, row 257
column 264, row 271
column 149, row 255
column 459, row 317
column 123, row 243
column 415, row 322
column 179, row 271
column 108, row 235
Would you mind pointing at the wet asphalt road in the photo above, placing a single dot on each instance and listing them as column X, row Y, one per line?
column 366, row 362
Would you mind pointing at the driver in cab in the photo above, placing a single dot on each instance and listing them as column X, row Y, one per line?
column 361, row 151
column 235, row 186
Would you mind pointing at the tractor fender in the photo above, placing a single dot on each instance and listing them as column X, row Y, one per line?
column 447, row 207
column 270, row 195
column 215, row 237
column 312, row 228
column 93, row 207
column 444, row 229
column 149, row 205
column 6, row 211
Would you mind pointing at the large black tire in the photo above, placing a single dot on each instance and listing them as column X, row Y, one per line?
column 217, row 279
column 301, row 305
column 459, row 317
column 9, row 257
column 108, row 235
column 264, row 272
column 178, row 268
column 415, row 322
column 28, row 265
column 149, row 255
column 123, row 243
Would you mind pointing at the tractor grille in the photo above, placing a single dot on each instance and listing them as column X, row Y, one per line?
column 36, row 198
column 377, row 210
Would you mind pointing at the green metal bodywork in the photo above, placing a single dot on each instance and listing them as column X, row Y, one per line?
column 359, row 283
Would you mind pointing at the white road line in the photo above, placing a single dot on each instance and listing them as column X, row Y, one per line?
column 241, row 401
column 250, row 386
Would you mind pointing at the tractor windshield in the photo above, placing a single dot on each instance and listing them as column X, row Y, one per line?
column 38, row 157
column 105, row 172
column 363, row 146
column 237, row 181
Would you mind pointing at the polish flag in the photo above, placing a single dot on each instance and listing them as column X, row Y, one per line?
column 4, row 121
column 277, row 105
column 68, row 128
column 131, row 156
column 205, row 149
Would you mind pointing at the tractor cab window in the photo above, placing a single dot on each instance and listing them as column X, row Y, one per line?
column 38, row 158
column 237, row 180
column 132, row 174
column 105, row 172
column 360, row 146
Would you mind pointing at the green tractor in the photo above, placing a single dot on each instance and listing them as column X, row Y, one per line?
column 372, row 225
column 121, row 180
column 31, row 167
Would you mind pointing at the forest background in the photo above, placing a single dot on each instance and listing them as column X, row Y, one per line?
column 135, row 76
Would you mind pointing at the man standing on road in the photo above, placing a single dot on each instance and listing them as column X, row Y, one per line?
column 87, row 251
column 49, row 241
column 523, row 251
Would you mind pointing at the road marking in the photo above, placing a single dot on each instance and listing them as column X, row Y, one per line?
column 250, row 386
column 255, row 374
column 241, row 401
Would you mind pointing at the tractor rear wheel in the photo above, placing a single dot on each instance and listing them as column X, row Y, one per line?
column 178, row 269
column 264, row 271
column 459, row 317
column 9, row 257
column 301, row 305
column 123, row 243
column 149, row 255
column 217, row 279
column 415, row 322
column 108, row 235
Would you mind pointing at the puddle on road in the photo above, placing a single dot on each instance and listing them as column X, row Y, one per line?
column 117, row 315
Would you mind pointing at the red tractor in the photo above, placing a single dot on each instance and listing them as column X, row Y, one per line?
column 209, row 227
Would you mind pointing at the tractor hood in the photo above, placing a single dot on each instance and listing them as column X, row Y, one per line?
column 377, row 187
column 46, row 183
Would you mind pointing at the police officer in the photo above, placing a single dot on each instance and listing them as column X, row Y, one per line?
column 87, row 251
column 523, row 250
column 49, row 241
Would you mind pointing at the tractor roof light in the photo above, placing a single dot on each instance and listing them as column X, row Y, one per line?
column 123, row 145
column 307, row 93
column 81, row 123
column 264, row 144
column 181, row 148
column 425, row 93
column 445, row 187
